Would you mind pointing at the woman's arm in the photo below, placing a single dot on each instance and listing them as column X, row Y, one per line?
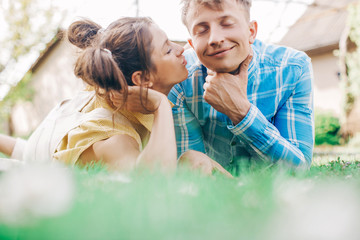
column 161, row 148
column 7, row 144
column 122, row 151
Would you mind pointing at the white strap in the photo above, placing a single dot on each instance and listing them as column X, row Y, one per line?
column 65, row 117
column 18, row 150
column 8, row 164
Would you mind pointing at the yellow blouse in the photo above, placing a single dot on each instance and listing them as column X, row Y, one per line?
column 136, row 125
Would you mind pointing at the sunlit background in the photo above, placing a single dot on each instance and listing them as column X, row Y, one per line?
column 274, row 18
column 317, row 27
column 261, row 203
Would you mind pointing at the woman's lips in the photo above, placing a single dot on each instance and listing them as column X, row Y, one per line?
column 184, row 62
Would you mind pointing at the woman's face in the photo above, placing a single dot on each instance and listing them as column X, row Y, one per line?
column 168, row 60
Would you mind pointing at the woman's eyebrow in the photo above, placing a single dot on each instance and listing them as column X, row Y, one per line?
column 166, row 42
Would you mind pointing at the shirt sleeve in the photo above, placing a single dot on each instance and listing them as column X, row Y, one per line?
column 18, row 150
column 291, row 137
column 188, row 131
column 82, row 137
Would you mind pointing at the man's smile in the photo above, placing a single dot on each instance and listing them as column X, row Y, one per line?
column 220, row 53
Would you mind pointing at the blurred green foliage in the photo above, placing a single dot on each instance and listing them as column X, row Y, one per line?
column 188, row 205
column 327, row 129
column 352, row 86
column 28, row 23
column 20, row 92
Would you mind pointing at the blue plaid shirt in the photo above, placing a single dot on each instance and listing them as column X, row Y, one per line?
column 279, row 124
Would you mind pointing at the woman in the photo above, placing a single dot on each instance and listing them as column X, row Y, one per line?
column 132, row 57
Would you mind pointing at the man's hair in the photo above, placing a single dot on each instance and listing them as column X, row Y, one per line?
column 213, row 4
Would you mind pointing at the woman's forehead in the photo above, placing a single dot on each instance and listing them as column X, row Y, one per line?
column 159, row 37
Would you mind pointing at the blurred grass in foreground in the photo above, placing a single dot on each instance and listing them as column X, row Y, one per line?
column 261, row 203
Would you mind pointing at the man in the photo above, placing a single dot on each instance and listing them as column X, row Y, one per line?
column 235, row 110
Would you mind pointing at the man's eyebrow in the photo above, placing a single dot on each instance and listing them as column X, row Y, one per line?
column 219, row 18
column 225, row 16
column 200, row 24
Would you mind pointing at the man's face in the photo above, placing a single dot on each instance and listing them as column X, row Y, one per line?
column 221, row 38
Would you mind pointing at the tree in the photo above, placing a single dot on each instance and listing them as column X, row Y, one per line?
column 350, row 61
column 27, row 26
column 28, row 23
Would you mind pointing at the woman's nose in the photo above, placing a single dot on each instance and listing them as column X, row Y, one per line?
column 180, row 50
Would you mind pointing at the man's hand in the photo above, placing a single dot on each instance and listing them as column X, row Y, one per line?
column 227, row 93
column 148, row 103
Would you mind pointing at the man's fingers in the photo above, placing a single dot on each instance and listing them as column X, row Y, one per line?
column 207, row 81
column 245, row 66
column 246, row 63
column 206, row 85
column 210, row 72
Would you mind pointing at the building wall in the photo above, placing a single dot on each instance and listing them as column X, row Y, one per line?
column 327, row 90
column 352, row 124
column 328, row 95
column 53, row 81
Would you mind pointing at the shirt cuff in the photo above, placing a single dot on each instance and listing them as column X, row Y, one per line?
column 253, row 123
column 18, row 150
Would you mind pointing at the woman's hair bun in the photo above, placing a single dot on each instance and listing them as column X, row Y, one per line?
column 82, row 33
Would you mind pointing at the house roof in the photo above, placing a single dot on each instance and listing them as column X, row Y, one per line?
column 56, row 40
column 28, row 63
column 49, row 46
column 320, row 27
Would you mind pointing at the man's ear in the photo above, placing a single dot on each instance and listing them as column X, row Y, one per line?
column 137, row 79
column 190, row 42
column 253, row 26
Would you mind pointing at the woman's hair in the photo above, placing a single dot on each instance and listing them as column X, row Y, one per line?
column 110, row 56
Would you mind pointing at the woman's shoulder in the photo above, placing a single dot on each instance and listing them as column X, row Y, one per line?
column 94, row 130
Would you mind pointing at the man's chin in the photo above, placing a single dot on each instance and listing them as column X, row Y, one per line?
column 224, row 69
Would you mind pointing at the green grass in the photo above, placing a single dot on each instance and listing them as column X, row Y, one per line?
column 261, row 203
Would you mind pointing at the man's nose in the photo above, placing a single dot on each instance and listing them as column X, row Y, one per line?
column 216, row 37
